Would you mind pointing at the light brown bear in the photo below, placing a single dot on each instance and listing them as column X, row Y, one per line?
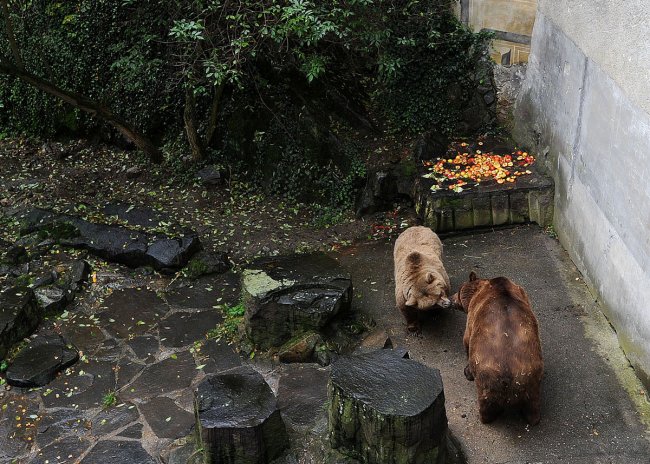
column 503, row 347
column 421, row 282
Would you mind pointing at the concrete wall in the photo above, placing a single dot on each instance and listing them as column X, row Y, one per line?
column 584, row 108
column 510, row 20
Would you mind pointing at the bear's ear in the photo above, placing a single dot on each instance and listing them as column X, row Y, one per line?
column 465, row 294
column 414, row 258
column 430, row 277
column 472, row 276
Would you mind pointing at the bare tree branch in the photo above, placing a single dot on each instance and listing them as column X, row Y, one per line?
column 11, row 36
column 84, row 104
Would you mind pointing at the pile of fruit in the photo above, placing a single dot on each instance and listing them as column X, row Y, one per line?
column 478, row 167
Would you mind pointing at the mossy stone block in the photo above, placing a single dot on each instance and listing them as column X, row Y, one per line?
column 500, row 209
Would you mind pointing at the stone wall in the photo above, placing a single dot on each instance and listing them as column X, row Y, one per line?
column 510, row 20
column 584, row 108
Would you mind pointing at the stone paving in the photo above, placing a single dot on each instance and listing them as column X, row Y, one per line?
column 137, row 340
column 138, row 344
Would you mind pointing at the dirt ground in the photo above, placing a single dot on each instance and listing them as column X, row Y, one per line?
column 236, row 217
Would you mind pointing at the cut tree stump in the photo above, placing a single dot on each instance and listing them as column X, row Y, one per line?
column 238, row 420
column 385, row 409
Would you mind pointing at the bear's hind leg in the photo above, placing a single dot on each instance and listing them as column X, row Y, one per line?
column 469, row 375
column 531, row 412
column 488, row 409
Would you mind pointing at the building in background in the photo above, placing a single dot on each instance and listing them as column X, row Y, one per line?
column 511, row 21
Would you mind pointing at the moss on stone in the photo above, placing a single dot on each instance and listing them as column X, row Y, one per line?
column 195, row 268
column 257, row 283
column 58, row 231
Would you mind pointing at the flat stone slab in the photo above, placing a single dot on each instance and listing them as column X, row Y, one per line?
column 184, row 328
column 115, row 243
column 53, row 424
column 166, row 419
column 397, row 403
column 80, row 330
column 302, row 395
column 145, row 347
column 206, row 292
column 238, row 418
column 286, row 296
column 131, row 312
column 118, row 451
column 67, row 449
column 14, row 440
column 41, row 360
column 110, row 419
column 218, row 356
column 19, row 316
column 84, row 388
column 171, row 374
column 134, row 431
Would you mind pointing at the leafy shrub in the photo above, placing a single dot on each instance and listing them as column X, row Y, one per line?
column 268, row 82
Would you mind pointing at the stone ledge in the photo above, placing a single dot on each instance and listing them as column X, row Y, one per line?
column 530, row 199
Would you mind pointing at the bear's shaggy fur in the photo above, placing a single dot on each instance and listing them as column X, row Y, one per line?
column 503, row 347
column 421, row 281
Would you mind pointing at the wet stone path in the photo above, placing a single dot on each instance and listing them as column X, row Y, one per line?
column 131, row 394
column 129, row 398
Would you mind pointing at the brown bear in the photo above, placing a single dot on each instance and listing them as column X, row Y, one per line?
column 503, row 347
column 421, row 282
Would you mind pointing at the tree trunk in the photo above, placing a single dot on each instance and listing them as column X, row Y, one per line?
column 214, row 115
column 88, row 106
column 11, row 37
column 189, row 117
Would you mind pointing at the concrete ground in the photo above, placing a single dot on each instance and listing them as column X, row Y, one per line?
column 594, row 410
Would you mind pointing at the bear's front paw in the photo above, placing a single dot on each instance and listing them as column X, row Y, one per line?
column 414, row 328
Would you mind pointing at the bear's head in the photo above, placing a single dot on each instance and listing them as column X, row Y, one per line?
column 428, row 287
column 466, row 291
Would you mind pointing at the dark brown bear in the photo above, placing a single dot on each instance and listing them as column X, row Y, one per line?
column 503, row 347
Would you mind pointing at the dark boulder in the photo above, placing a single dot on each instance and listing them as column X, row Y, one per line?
column 38, row 363
column 206, row 263
column 19, row 316
column 385, row 409
column 51, row 299
column 299, row 349
column 79, row 274
column 238, row 420
column 113, row 243
column 287, row 296
column 16, row 254
column 430, row 145
column 212, row 175
column 385, row 187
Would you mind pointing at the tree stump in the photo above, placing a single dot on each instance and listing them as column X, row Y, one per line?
column 237, row 419
column 290, row 295
column 385, row 409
